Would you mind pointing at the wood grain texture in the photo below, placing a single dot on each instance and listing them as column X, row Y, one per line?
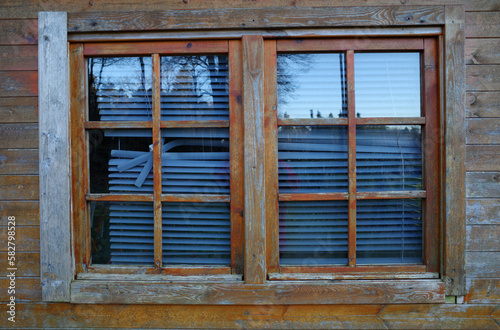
column 18, row 32
column 482, row 24
column 483, row 184
column 483, row 77
column 19, row 110
column 483, row 291
column 483, row 238
column 18, row 161
column 483, row 158
column 19, row 135
column 259, row 18
column 254, row 157
column 482, row 51
column 27, row 289
column 18, row 83
column 19, row 187
column 341, row 292
column 157, row 167
column 17, row 58
column 483, row 211
column 27, row 239
column 482, row 264
column 483, row 131
column 26, row 212
column 27, row 263
column 483, row 104
column 453, row 270
column 55, row 192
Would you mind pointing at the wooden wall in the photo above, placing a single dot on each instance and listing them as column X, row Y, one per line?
column 19, row 189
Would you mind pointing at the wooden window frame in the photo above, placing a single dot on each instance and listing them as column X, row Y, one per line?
column 57, row 256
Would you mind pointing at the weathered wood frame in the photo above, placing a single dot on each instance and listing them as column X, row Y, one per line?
column 328, row 22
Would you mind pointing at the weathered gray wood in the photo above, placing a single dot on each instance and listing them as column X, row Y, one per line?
column 19, row 110
column 483, row 264
column 481, row 211
column 483, row 131
column 257, row 18
column 483, row 78
column 482, row 51
column 26, row 212
column 254, row 157
column 55, row 204
column 287, row 293
column 19, row 135
column 18, row 161
column 483, row 24
column 483, row 104
column 483, row 158
column 483, row 291
column 453, row 270
column 483, row 184
column 161, row 278
column 483, row 238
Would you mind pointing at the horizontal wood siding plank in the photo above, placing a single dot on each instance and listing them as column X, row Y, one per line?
column 482, row 24
column 26, row 213
column 483, row 184
column 18, row 32
column 19, row 135
column 19, row 187
column 482, row 264
column 19, row 110
column 483, row 78
column 27, row 289
column 27, row 263
column 259, row 18
column 483, row 211
column 483, row 158
column 483, row 291
column 483, row 238
column 27, row 239
column 341, row 292
column 18, row 161
column 483, row 131
column 482, row 51
column 18, row 58
column 18, row 83
column 483, row 104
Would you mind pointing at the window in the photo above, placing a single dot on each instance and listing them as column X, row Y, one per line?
column 284, row 175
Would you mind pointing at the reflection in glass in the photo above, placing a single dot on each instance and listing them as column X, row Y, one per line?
column 194, row 87
column 311, row 86
column 122, row 233
column 312, row 159
column 196, row 233
column 388, row 158
column 119, row 88
column 195, row 160
column 120, row 161
column 387, row 84
column 313, row 233
column 389, row 231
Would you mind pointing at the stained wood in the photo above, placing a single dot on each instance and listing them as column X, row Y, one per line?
column 313, row 196
column 483, row 264
column 18, row 83
column 351, row 158
column 483, row 184
column 482, row 24
column 312, row 121
column 194, row 123
column 166, row 270
column 19, row 187
column 19, row 110
column 260, row 18
column 26, row 212
column 483, row 131
column 483, row 158
column 391, row 121
column 17, row 58
column 27, row 289
column 27, row 239
column 157, row 167
column 152, row 47
column 392, row 194
column 19, row 32
column 341, row 292
column 27, row 263
column 18, row 161
column 194, row 198
column 482, row 51
column 254, row 157
column 483, row 291
column 117, row 125
column 482, row 211
column 166, row 279
column 19, row 135
column 358, row 276
column 483, row 238
column 389, row 269
column 483, row 77
column 386, row 44
column 55, row 192
column 453, row 266
column 483, row 104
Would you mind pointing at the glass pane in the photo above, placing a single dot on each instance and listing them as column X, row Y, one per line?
column 311, row 86
column 120, row 161
column 387, row 84
column 122, row 233
column 389, row 231
column 196, row 233
column 119, row 88
column 313, row 233
column 388, row 158
column 194, row 87
column 312, row 159
column 195, row 161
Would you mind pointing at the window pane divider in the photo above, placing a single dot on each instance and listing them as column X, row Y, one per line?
column 313, row 122
column 314, row 196
column 193, row 123
column 120, row 197
column 351, row 131
column 391, row 194
column 388, row 269
column 117, row 124
column 391, row 121
column 194, row 198
column 157, row 169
